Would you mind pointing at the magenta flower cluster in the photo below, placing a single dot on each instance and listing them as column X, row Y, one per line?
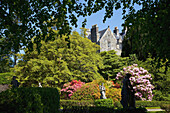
column 70, row 88
column 140, row 81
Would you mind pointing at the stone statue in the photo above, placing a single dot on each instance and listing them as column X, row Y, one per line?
column 102, row 91
column 128, row 98
column 14, row 82
column 39, row 84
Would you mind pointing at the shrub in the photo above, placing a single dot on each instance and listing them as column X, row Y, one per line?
column 23, row 100
column 89, row 91
column 104, row 103
column 69, row 103
column 97, row 106
column 118, row 104
column 6, row 78
column 114, row 94
column 70, row 88
column 83, row 106
column 140, row 81
column 150, row 103
column 166, row 107
column 111, row 84
column 144, row 104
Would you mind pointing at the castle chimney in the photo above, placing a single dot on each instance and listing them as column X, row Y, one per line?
column 94, row 33
column 116, row 31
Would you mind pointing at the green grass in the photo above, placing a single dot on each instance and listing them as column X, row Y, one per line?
column 152, row 107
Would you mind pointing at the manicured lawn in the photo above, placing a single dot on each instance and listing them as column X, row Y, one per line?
column 156, row 112
column 152, row 107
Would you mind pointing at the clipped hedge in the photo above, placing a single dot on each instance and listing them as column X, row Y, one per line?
column 151, row 103
column 28, row 100
column 144, row 104
column 104, row 103
column 70, row 103
column 166, row 107
column 102, row 106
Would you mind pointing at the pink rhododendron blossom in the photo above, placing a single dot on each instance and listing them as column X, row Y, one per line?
column 140, row 81
column 70, row 88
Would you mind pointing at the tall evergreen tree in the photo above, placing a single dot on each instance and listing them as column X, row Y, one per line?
column 112, row 64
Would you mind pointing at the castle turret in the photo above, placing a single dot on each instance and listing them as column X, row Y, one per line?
column 94, row 33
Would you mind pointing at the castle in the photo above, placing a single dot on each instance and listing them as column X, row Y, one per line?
column 107, row 39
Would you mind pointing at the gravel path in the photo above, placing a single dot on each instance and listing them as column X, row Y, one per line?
column 155, row 110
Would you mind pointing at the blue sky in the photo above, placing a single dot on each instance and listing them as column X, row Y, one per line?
column 97, row 18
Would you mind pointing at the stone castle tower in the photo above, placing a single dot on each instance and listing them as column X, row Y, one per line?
column 107, row 39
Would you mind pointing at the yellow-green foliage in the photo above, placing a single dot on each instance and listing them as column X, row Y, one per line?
column 114, row 94
column 6, row 78
column 57, row 64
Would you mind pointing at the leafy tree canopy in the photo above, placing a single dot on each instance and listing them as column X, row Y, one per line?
column 21, row 20
column 57, row 63
column 148, row 31
column 112, row 64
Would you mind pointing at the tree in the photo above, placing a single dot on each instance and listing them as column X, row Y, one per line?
column 83, row 32
column 112, row 64
column 57, row 64
column 160, row 80
column 32, row 18
column 29, row 17
column 148, row 31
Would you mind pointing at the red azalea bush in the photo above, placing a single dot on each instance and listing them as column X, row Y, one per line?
column 90, row 91
column 70, row 88
column 111, row 84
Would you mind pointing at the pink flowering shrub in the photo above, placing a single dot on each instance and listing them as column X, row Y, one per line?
column 70, row 88
column 140, row 81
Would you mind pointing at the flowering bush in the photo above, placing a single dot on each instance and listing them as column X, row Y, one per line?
column 140, row 81
column 91, row 91
column 114, row 94
column 111, row 84
column 70, row 88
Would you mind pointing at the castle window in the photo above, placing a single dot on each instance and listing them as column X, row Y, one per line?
column 117, row 46
column 109, row 44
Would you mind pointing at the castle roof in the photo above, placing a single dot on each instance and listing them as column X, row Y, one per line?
column 102, row 32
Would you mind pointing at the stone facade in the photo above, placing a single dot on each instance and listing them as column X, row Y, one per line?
column 107, row 39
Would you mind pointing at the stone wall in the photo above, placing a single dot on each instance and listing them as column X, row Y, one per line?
column 3, row 87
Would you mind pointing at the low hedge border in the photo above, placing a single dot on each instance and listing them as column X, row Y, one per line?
column 144, row 104
column 151, row 103
column 70, row 103
column 93, row 109
column 108, row 103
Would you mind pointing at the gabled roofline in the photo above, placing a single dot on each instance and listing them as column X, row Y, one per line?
column 105, row 34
